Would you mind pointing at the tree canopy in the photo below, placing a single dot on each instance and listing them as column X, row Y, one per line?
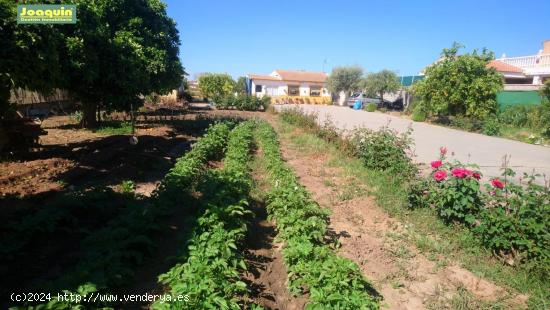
column 29, row 56
column 116, row 52
column 460, row 84
column 120, row 50
column 240, row 85
column 346, row 79
column 380, row 83
column 216, row 84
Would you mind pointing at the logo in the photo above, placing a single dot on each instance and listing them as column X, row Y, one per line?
column 46, row 14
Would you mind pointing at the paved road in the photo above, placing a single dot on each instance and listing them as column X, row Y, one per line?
column 483, row 150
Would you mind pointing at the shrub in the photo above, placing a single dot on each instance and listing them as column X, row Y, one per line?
column 536, row 117
column 384, row 150
column 491, row 127
column 418, row 114
column 510, row 219
column 460, row 84
column 371, row 107
column 296, row 116
column 516, row 115
column 514, row 224
column 457, row 198
column 242, row 102
column 466, row 123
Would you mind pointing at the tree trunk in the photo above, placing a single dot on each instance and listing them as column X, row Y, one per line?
column 99, row 114
column 89, row 115
column 381, row 99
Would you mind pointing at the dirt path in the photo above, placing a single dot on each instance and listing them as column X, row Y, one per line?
column 267, row 274
column 404, row 276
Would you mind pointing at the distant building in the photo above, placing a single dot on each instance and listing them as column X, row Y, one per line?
column 524, row 72
column 286, row 86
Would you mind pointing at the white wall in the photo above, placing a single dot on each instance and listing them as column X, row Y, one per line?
column 280, row 88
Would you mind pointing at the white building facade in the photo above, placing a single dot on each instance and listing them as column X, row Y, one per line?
column 525, row 72
column 290, row 84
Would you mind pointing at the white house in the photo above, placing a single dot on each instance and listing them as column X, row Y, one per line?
column 286, row 86
column 525, row 72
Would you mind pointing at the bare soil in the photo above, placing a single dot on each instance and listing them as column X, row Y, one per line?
column 267, row 274
column 73, row 159
column 403, row 275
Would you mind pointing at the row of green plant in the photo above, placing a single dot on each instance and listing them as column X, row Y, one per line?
column 332, row 282
column 242, row 102
column 110, row 255
column 209, row 274
column 511, row 219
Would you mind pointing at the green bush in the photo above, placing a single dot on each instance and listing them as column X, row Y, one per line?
column 535, row 117
column 296, row 116
column 418, row 114
column 515, row 223
column 242, row 102
column 371, row 107
column 491, row 127
column 466, row 123
column 384, row 150
column 510, row 219
column 517, row 115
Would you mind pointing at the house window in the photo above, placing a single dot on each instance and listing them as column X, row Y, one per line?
column 315, row 91
column 293, row 90
column 258, row 88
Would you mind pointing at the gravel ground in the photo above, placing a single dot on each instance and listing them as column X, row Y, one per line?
column 485, row 151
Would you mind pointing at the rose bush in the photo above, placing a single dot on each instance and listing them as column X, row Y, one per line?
column 512, row 220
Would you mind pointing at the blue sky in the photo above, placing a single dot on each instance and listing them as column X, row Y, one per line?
column 240, row 37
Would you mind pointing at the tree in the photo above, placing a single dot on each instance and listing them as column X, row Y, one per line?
column 29, row 56
column 346, row 79
column 118, row 51
column 216, row 84
column 460, row 84
column 240, row 85
column 380, row 83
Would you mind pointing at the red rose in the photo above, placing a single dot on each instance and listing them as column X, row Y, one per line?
column 460, row 173
column 476, row 175
column 440, row 175
column 436, row 164
column 497, row 183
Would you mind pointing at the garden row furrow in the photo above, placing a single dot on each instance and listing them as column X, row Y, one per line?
column 209, row 273
column 112, row 253
column 332, row 282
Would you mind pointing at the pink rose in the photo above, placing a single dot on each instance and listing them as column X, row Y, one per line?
column 436, row 164
column 497, row 183
column 460, row 173
column 440, row 175
column 443, row 151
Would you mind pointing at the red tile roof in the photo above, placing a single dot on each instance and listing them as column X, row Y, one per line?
column 302, row 76
column 293, row 76
column 503, row 67
column 263, row 77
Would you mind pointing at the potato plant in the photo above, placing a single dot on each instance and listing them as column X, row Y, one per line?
column 210, row 272
column 111, row 254
column 332, row 282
